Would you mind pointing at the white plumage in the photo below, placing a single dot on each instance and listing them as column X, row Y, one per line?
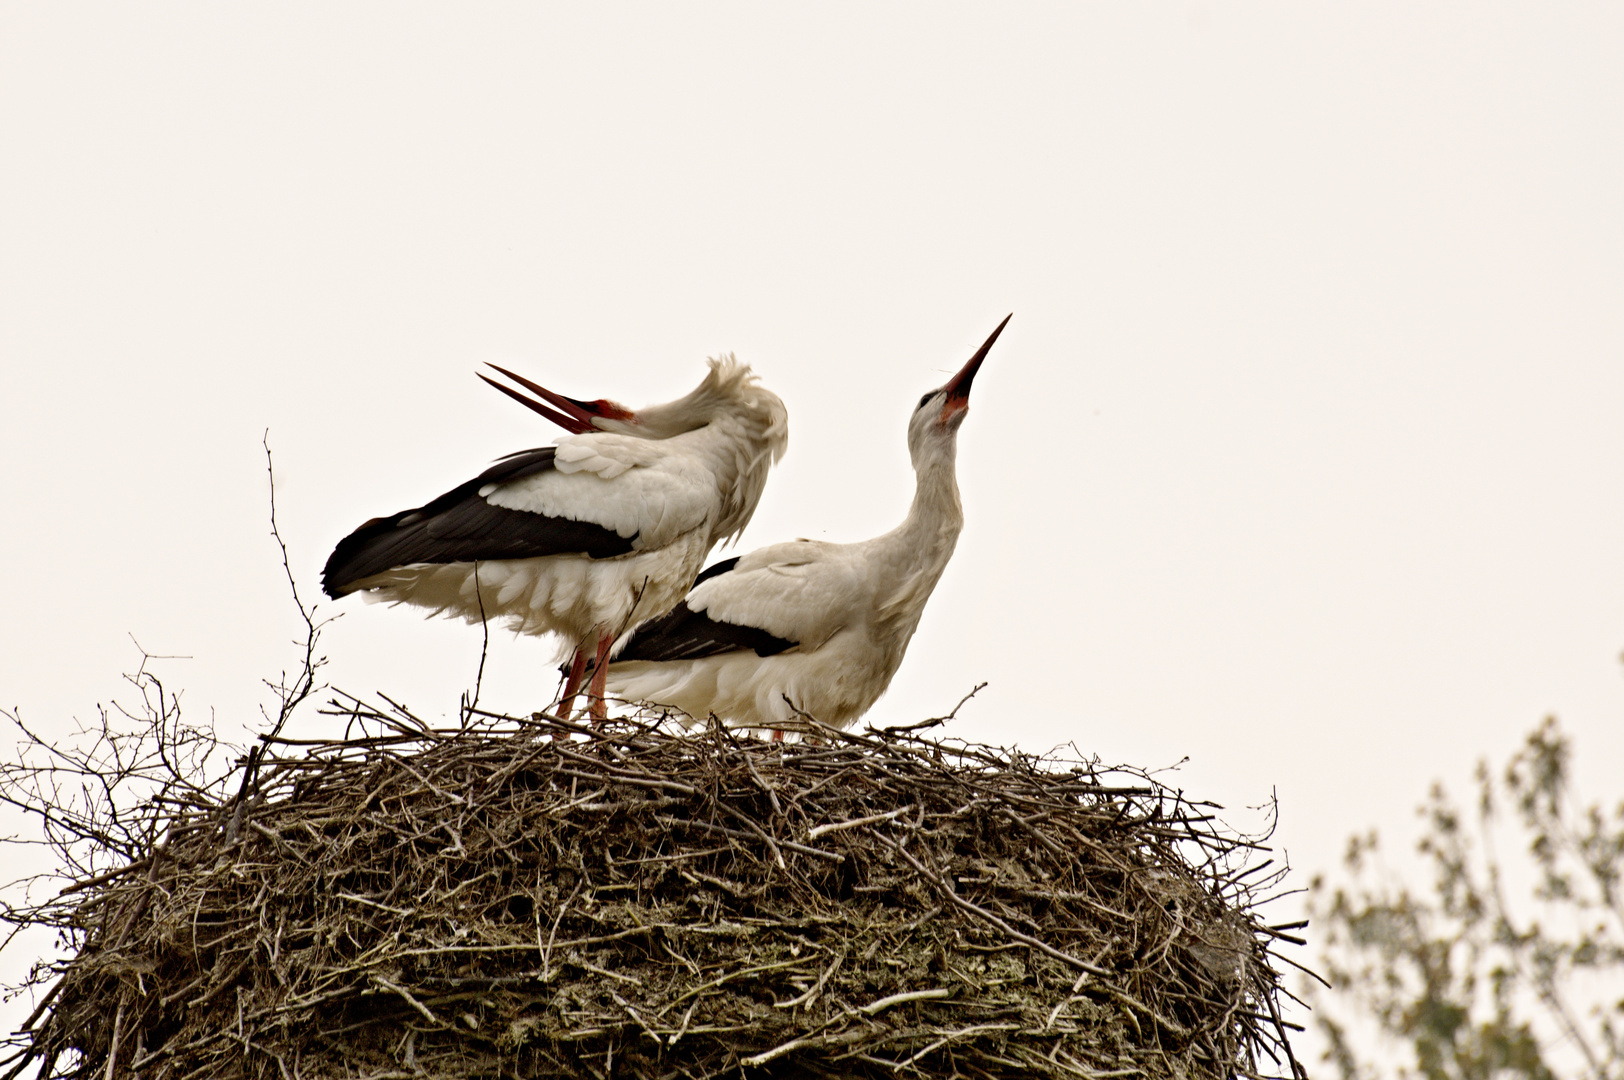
column 587, row 537
column 809, row 627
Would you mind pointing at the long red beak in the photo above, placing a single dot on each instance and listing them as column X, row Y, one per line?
column 958, row 387
column 571, row 414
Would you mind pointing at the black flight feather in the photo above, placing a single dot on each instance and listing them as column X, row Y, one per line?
column 460, row 526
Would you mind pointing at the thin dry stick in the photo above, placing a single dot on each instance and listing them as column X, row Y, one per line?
column 470, row 704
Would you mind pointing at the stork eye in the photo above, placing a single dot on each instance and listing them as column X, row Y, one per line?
column 924, row 399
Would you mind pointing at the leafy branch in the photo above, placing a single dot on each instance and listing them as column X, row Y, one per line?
column 1474, row 979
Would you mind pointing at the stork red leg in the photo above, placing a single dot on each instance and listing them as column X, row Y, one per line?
column 572, row 684
column 600, row 674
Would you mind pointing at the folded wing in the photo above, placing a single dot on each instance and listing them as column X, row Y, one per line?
column 787, row 596
column 464, row 526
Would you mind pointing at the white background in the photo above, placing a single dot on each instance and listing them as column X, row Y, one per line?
column 1300, row 458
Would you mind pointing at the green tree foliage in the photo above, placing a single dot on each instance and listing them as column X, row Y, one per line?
column 1512, row 965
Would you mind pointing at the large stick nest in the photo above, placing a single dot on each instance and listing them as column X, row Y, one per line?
column 529, row 898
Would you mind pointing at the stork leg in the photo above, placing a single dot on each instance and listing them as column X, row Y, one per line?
column 572, row 684
column 600, row 676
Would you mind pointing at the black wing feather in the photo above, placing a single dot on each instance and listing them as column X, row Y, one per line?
column 460, row 526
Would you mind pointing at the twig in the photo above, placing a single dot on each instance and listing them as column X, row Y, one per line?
column 470, row 704
column 884, row 1003
column 836, row 826
column 409, row 999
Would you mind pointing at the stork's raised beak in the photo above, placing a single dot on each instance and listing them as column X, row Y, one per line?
column 571, row 414
column 958, row 387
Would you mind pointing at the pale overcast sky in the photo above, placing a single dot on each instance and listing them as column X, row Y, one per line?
column 1301, row 458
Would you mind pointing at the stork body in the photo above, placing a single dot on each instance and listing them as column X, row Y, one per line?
column 587, row 537
column 809, row 627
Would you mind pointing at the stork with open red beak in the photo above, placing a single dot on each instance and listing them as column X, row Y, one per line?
column 807, row 627
column 590, row 536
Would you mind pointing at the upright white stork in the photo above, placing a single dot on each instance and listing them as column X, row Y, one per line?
column 590, row 536
column 809, row 627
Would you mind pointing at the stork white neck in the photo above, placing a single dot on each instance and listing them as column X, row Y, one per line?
column 750, row 427
column 910, row 559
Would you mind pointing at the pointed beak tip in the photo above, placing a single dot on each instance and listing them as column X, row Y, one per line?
column 958, row 387
column 566, row 413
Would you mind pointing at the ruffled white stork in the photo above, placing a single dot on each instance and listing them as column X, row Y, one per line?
column 590, row 536
column 808, row 627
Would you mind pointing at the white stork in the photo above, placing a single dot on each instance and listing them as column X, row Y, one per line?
column 590, row 536
column 809, row 627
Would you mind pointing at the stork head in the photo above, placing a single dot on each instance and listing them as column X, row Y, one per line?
column 728, row 389
column 573, row 414
column 939, row 413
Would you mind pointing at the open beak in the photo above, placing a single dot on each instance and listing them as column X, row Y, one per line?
column 958, row 387
column 570, row 414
